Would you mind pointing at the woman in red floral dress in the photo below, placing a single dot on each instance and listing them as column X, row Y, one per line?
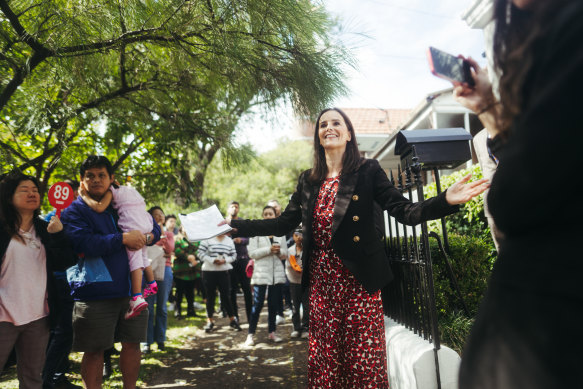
column 346, row 265
column 347, row 348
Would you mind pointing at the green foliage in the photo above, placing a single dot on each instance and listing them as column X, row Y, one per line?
column 470, row 220
column 454, row 328
column 470, row 261
column 157, row 86
column 471, row 265
column 273, row 175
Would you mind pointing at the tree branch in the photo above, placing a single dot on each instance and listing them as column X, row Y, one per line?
column 13, row 151
column 28, row 9
column 20, row 75
column 110, row 96
column 19, row 29
column 136, row 142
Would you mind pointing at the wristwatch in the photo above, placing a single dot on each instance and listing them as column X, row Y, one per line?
column 148, row 238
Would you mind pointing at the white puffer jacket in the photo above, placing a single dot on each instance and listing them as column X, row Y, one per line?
column 268, row 270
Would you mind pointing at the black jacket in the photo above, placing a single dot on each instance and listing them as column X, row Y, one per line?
column 354, row 238
column 533, row 196
column 59, row 256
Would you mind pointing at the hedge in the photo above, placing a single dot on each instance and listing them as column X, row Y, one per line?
column 471, row 263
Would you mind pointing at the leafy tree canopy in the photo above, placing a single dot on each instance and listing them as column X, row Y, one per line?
column 273, row 175
column 157, row 86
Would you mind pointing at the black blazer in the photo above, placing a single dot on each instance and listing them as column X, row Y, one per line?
column 59, row 254
column 354, row 238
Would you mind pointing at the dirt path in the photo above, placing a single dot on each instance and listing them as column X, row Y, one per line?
column 220, row 360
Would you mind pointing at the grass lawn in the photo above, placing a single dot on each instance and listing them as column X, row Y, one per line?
column 178, row 331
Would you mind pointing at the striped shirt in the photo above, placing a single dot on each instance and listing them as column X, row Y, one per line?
column 211, row 249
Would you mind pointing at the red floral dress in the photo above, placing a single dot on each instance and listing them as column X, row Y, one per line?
column 347, row 332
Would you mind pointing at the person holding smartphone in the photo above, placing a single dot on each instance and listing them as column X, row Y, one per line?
column 525, row 333
column 268, row 276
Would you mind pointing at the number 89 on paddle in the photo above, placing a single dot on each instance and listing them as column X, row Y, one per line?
column 60, row 196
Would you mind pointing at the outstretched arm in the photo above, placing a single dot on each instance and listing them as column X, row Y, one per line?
column 461, row 192
column 288, row 220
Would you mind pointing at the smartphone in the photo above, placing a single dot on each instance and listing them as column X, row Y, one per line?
column 449, row 66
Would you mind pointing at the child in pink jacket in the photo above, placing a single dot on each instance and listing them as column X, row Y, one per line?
column 131, row 209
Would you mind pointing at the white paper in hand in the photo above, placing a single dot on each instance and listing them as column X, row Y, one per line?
column 202, row 225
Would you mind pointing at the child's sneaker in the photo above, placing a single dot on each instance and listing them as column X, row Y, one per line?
column 150, row 289
column 137, row 305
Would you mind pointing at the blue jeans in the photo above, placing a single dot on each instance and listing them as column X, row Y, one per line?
column 157, row 331
column 273, row 298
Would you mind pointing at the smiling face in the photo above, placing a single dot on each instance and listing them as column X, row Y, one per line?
column 97, row 181
column 26, row 198
column 332, row 131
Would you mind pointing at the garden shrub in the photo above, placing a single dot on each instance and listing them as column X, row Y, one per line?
column 470, row 220
column 471, row 263
column 454, row 329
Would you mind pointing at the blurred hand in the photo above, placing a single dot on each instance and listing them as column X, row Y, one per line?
column 55, row 225
column 192, row 259
column 478, row 97
column 219, row 261
column 275, row 249
column 237, row 240
column 462, row 192
column 134, row 240
column 226, row 221
column 82, row 187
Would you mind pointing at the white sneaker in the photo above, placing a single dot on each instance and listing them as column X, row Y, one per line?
column 295, row 334
column 250, row 341
column 274, row 338
column 304, row 335
column 279, row 319
column 137, row 305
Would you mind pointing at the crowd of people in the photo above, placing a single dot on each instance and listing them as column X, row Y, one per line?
column 524, row 334
column 106, row 270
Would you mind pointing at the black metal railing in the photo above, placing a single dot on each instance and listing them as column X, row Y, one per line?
column 410, row 298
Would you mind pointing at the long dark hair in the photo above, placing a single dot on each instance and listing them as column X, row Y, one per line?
column 10, row 219
column 516, row 34
column 350, row 160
